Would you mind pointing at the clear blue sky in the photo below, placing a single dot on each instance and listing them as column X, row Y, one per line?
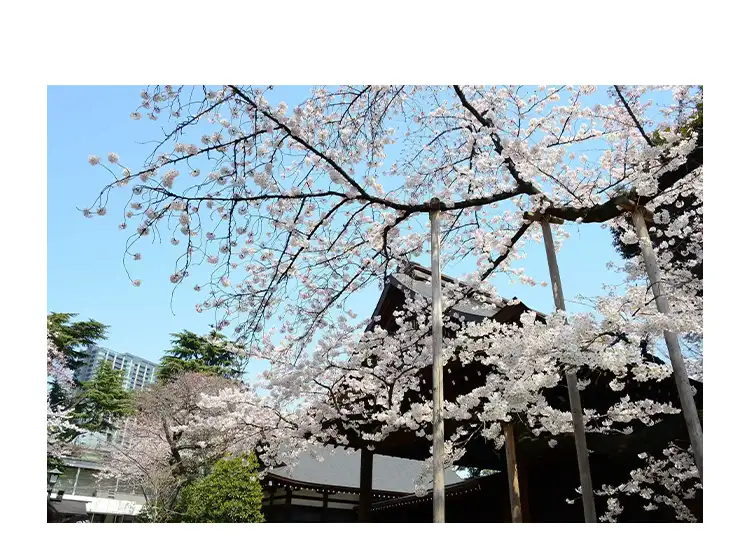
column 85, row 272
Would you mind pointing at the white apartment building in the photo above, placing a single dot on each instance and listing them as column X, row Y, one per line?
column 137, row 372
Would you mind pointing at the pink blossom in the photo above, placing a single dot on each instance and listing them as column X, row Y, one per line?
column 169, row 177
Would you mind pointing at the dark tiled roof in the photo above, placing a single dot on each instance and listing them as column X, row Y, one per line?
column 341, row 468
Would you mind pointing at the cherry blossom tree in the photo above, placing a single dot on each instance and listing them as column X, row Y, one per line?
column 291, row 210
column 59, row 419
column 172, row 441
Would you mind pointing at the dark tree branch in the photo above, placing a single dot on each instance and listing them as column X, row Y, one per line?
column 632, row 116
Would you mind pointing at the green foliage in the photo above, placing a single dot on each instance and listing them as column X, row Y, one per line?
column 230, row 494
column 152, row 514
column 103, row 400
column 58, row 398
column 693, row 124
column 191, row 352
column 97, row 404
column 72, row 338
column 476, row 472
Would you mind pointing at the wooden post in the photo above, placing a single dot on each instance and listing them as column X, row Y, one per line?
column 576, row 410
column 514, row 488
column 523, row 483
column 325, row 506
column 75, row 482
column 288, row 505
column 673, row 346
column 438, row 475
column 365, row 485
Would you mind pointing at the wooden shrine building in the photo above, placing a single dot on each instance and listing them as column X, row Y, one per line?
column 328, row 491
column 547, row 470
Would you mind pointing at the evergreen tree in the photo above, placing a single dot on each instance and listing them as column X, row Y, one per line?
column 72, row 338
column 230, row 494
column 191, row 352
column 103, row 400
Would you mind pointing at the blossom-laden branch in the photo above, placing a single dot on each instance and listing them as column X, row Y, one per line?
column 299, row 208
column 671, row 483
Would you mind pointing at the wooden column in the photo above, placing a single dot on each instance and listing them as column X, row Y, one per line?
column 365, row 486
column 523, row 483
column 324, row 509
column 438, row 434
column 571, row 380
column 75, row 482
column 695, row 431
column 288, row 505
column 514, row 487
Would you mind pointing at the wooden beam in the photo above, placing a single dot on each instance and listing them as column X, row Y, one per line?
column 632, row 207
column 514, row 488
column 536, row 217
column 365, row 485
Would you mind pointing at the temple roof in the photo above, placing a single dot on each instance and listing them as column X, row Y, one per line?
column 340, row 468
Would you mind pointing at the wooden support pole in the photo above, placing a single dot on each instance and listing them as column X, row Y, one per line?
column 523, row 483
column 514, row 488
column 75, row 482
column 574, row 396
column 324, row 509
column 438, row 435
column 288, row 505
column 695, row 431
column 365, row 485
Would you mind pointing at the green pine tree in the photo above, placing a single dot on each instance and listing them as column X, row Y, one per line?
column 191, row 352
column 102, row 401
column 72, row 338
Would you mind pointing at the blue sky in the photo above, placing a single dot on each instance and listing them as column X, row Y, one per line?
column 85, row 271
